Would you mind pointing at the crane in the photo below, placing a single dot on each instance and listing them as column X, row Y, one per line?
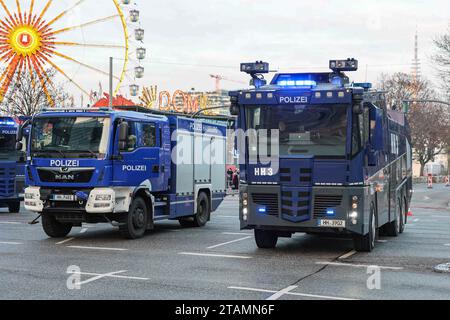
column 219, row 78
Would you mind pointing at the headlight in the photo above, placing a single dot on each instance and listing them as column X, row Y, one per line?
column 30, row 196
column 103, row 197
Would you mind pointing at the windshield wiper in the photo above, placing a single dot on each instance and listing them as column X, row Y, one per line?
column 92, row 153
column 52, row 151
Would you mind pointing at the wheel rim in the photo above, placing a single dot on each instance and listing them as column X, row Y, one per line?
column 139, row 218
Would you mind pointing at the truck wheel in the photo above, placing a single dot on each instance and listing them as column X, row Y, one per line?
column 403, row 215
column 393, row 228
column 14, row 207
column 266, row 239
column 203, row 210
column 136, row 220
column 53, row 228
column 366, row 243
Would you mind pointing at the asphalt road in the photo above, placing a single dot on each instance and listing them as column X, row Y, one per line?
column 222, row 262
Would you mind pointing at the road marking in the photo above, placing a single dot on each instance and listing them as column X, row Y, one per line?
column 11, row 223
column 97, row 248
column 11, row 243
column 447, row 245
column 84, row 230
column 98, row 276
column 347, row 255
column 337, row 264
column 281, row 293
column 214, row 255
column 228, row 217
column 382, row 241
column 416, row 220
column 292, row 294
column 65, row 241
column 236, row 233
column 229, row 242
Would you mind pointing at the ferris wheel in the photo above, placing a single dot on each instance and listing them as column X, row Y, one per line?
column 74, row 39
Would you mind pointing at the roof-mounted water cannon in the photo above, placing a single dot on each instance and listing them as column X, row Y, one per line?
column 338, row 77
column 256, row 71
column 339, row 66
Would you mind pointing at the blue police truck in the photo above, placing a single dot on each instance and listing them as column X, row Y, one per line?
column 344, row 158
column 12, row 164
column 127, row 168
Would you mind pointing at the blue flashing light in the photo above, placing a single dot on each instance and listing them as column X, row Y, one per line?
column 262, row 210
column 331, row 212
column 7, row 123
column 297, row 83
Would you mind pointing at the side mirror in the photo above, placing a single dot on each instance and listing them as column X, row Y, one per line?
column 19, row 146
column 123, row 135
column 234, row 110
column 21, row 129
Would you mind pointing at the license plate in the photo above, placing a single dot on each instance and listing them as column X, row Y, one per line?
column 332, row 223
column 63, row 197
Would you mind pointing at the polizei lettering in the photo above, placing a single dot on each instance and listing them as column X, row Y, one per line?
column 287, row 100
column 65, row 163
column 134, row 168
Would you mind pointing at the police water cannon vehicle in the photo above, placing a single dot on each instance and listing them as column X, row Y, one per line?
column 12, row 164
column 321, row 155
column 128, row 168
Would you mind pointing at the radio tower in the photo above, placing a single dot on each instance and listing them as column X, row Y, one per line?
column 416, row 62
column 416, row 69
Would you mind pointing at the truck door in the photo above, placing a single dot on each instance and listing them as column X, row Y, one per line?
column 140, row 162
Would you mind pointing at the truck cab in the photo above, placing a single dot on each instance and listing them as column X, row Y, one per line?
column 12, row 164
column 329, row 143
column 97, row 166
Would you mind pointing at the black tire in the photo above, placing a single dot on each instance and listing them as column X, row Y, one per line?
column 135, row 222
column 14, row 207
column 201, row 218
column 266, row 239
column 53, row 228
column 393, row 228
column 366, row 243
column 403, row 217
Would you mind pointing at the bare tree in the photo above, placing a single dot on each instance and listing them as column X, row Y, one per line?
column 28, row 94
column 442, row 59
column 430, row 122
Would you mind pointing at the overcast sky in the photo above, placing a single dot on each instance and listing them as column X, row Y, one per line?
column 189, row 40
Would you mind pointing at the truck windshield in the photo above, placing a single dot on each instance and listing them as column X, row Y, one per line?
column 315, row 130
column 74, row 137
column 8, row 146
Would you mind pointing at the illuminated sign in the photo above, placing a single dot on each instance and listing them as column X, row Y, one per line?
column 178, row 101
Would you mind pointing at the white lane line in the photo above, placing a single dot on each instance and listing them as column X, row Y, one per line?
column 306, row 295
column 447, row 245
column 236, row 233
column 382, row 241
column 11, row 243
column 65, row 241
column 214, row 255
column 101, row 276
column 10, row 222
column 281, row 293
column 356, row 265
column 97, row 248
column 416, row 220
column 229, row 242
column 347, row 255
column 84, row 230
column 109, row 275
column 228, row 217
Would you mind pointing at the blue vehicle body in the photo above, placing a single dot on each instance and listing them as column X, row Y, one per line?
column 12, row 164
column 344, row 165
column 72, row 181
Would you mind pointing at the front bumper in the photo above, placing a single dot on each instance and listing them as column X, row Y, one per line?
column 300, row 209
column 95, row 201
